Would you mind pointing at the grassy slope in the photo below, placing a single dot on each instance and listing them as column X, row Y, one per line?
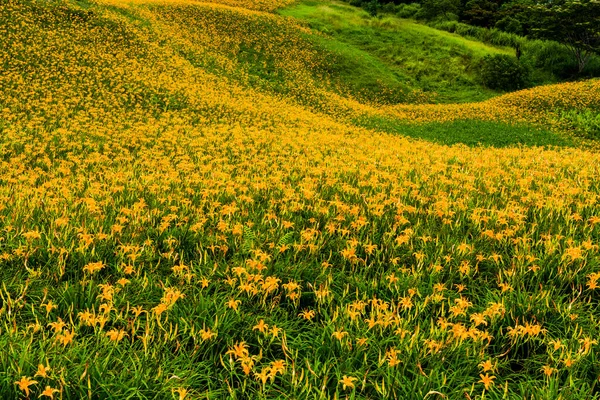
column 323, row 68
column 383, row 59
column 313, row 70
column 403, row 52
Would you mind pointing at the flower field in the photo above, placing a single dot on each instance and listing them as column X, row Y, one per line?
column 189, row 212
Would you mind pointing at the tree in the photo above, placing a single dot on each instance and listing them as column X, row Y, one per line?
column 503, row 72
column 574, row 23
column 510, row 24
column 514, row 17
column 481, row 12
column 445, row 9
column 372, row 7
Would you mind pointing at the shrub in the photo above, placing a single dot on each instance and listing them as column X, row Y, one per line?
column 503, row 72
column 408, row 10
column 511, row 25
column 439, row 10
column 372, row 7
column 491, row 36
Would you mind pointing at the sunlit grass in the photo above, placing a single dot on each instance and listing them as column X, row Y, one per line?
column 406, row 54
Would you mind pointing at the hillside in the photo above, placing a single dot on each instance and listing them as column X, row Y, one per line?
column 197, row 202
column 394, row 52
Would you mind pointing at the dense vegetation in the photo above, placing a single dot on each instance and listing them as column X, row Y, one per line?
column 570, row 29
column 198, row 202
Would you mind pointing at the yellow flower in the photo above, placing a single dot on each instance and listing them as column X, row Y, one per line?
column 339, row 335
column 181, row 392
column 261, row 326
column 66, row 337
column 347, row 382
column 275, row 331
column 137, row 310
column 204, row 282
column 307, row 314
column 487, row 380
column 233, row 304
column 24, row 384
column 239, row 350
column 207, row 334
column 487, row 366
column 123, row 281
column 58, row 325
column 49, row 306
column 31, row 235
column 548, row 370
column 160, row 308
column 277, row 367
column 48, row 392
column 392, row 357
column 93, row 267
column 587, row 344
column 116, row 335
column 569, row 362
column 263, row 375
column 42, row 371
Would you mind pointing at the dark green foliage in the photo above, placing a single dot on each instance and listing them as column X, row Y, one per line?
column 481, row 12
column 502, row 72
column 575, row 24
column 379, row 58
column 439, row 9
column 550, row 61
column 490, row 36
column 407, row 10
column 510, row 25
column 372, row 7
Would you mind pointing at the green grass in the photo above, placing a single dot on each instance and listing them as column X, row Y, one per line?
column 395, row 52
column 472, row 133
column 179, row 190
column 585, row 122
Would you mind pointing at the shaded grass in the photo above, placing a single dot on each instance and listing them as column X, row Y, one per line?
column 471, row 133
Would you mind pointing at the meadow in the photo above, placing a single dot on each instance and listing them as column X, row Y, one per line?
column 196, row 204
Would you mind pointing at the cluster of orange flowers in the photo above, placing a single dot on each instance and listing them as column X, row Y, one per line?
column 540, row 105
column 153, row 199
column 241, row 5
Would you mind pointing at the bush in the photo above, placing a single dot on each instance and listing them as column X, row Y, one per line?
column 408, row 10
column 503, row 72
column 552, row 57
column 491, row 36
column 372, row 7
column 439, row 10
column 510, row 25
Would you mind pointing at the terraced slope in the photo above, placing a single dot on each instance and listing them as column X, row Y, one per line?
column 192, row 206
